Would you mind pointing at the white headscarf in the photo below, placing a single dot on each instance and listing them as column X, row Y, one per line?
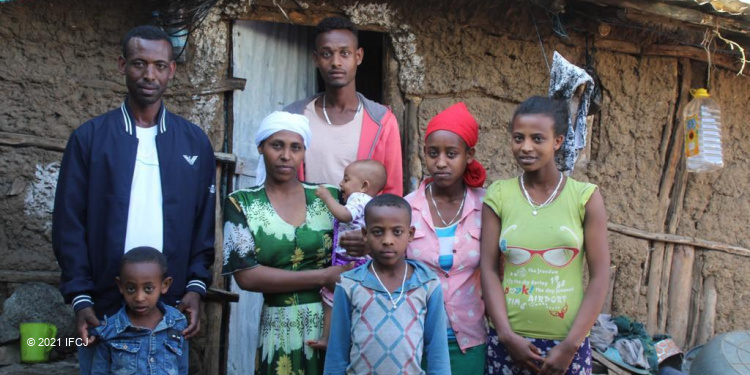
column 276, row 122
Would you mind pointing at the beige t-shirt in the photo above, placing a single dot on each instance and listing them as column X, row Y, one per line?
column 332, row 147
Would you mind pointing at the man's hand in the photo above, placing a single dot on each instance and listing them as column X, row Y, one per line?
column 85, row 319
column 191, row 304
column 354, row 243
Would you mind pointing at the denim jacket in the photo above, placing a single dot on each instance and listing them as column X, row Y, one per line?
column 128, row 349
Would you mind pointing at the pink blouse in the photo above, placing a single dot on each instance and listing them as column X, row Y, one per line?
column 461, row 285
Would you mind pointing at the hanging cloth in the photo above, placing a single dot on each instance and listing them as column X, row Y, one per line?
column 575, row 86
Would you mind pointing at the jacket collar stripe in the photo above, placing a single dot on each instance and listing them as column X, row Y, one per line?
column 163, row 122
column 129, row 123
column 126, row 119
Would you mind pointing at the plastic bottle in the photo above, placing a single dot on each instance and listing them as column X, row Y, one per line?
column 702, row 118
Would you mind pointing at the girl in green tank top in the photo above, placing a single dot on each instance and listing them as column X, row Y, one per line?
column 536, row 230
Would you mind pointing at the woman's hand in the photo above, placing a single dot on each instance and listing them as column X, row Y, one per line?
column 354, row 243
column 333, row 275
column 523, row 352
column 558, row 359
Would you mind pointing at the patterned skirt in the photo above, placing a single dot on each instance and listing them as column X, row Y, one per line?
column 283, row 333
column 499, row 361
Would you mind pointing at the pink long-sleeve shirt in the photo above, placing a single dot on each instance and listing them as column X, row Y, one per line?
column 461, row 285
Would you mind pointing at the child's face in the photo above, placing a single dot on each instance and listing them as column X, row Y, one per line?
column 353, row 182
column 141, row 284
column 534, row 142
column 446, row 156
column 388, row 233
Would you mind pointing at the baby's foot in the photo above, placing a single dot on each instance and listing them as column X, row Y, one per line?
column 320, row 344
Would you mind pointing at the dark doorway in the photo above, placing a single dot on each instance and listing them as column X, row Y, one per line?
column 370, row 73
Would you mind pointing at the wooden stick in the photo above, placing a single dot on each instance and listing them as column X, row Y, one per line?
column 214, row 312
column 226, row 84
column 718, row 58
column 654, row 287
column 708, row 315
column 661, row 257
column 679, row 293
column 700, row 244
column 26, row 140
column 663, row 303
column 264, row 11
column 674, row 213
column 687, row 15
column 49, row 277
column 225, row 158
column 695, row 302
column 214, row 294
column 610, row 290
column 414, row 163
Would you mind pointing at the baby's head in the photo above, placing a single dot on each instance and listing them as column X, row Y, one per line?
column 363, row 176
column 143, row 279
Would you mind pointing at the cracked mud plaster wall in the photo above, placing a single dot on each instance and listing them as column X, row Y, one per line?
column 492, row 66
column 446, row 53
column 57, row 70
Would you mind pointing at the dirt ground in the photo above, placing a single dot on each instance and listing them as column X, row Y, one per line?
column 58, row 69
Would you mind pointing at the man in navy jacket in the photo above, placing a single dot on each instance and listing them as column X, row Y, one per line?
column 138, row 175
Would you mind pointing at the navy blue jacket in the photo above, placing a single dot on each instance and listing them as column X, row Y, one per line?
column 93, row 195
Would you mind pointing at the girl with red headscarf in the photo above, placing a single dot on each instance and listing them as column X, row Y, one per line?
column 446, row 212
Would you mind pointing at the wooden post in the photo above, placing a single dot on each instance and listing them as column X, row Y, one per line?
column 654, row 286
column 214, row 310
column 708, row 315
column 696, row 301
column 610, row 290
column 658, row 276
column 414, row 173
column 663, row 302
column 679, row 293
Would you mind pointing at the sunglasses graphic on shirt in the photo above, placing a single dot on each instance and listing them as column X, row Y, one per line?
column 555, row 257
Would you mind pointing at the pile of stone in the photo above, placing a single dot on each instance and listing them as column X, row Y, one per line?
column 35, row 303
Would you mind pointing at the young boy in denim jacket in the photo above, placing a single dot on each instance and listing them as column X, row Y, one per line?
column 145, row 335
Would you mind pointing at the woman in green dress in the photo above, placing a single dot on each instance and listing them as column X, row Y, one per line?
column 277, row 241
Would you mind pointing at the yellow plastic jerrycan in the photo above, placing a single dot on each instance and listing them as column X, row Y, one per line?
column 702, row 118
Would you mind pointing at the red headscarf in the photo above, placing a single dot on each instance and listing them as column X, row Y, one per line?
column 458, row 120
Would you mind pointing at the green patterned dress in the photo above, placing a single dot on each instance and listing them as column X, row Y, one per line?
column 254, row 234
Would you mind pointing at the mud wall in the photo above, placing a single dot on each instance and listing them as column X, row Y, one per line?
column 493, row 66
column 57, row 69
column 465, row 54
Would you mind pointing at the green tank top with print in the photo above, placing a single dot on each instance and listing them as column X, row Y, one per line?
column 542, row 257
